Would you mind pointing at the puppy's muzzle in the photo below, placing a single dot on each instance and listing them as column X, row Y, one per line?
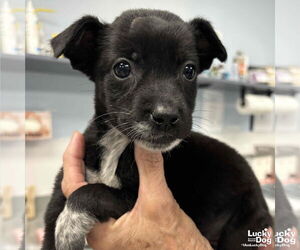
column 164, row 118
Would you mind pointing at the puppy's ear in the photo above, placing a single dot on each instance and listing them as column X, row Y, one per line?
column 79, row 43
column 208, row 44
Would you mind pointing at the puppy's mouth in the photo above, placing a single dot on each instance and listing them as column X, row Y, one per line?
column 152, row 146
column 145, row 136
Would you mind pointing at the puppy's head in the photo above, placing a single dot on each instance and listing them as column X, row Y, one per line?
column 145, row 66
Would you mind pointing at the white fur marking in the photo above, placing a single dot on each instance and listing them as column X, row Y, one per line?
column 142, row 127
column 161, row 148
column 160, row 109
column 71, row 228
column 113, row 143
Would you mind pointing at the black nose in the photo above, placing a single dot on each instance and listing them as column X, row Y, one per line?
column 164, row 118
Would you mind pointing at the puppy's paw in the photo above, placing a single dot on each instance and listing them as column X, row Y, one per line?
column 70, row 244
column 71, row 229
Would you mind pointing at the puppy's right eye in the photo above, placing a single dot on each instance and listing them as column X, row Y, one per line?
column 189, row 71
column 122, row 69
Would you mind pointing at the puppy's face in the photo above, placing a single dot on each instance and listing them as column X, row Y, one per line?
column 150, row 83
column 145, row 66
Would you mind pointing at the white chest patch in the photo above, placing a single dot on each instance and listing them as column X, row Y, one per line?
column 113, row 143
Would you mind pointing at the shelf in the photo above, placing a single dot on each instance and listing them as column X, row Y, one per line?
column 47, row 64
column 256, row 87
column 37, row 63
column 15, row 63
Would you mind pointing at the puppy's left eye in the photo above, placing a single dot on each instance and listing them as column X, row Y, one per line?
column 122, row 69
column 189, row 71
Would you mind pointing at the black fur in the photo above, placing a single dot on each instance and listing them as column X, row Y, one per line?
column 211, row 182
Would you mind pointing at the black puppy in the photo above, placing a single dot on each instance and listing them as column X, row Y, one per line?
column 144, row 66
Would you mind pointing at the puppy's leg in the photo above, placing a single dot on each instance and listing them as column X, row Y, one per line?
column 86, row 206
column 55, row 207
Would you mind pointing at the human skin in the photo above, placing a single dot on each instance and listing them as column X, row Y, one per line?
column 155, row 222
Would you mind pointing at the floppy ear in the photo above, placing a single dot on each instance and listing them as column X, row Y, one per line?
column 208, row 44
column 79, row 43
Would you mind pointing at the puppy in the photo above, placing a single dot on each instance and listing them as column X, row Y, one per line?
column 144, row 66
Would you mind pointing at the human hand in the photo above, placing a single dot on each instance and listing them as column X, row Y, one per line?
column 73, row 165
column 156, row 215
column 155, row 222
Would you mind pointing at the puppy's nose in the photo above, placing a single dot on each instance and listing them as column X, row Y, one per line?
column 164, row 119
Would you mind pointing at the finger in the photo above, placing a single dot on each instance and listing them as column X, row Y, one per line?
column 151, row 176
column 97, row 238
column 73, row 159
column 295, row 237
column 150, row 167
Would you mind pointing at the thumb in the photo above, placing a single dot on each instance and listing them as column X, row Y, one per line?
column 73, row 158
column 152, row 180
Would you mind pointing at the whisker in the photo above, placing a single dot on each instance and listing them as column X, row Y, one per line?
column 109, row 113
column 202, row 122
column 201, row 128
column 126, row 129
column 198, row 116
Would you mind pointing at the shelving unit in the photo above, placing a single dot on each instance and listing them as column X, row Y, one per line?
column 258, row 87
column 47, row 64
column 52, row 84
column 12, row 62
column 50, row 65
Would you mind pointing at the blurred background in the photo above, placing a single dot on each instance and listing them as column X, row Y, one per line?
column 251, row 102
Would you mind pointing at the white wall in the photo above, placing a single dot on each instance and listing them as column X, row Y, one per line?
column 255, row 26
column 287, row 32
column 246, row 25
